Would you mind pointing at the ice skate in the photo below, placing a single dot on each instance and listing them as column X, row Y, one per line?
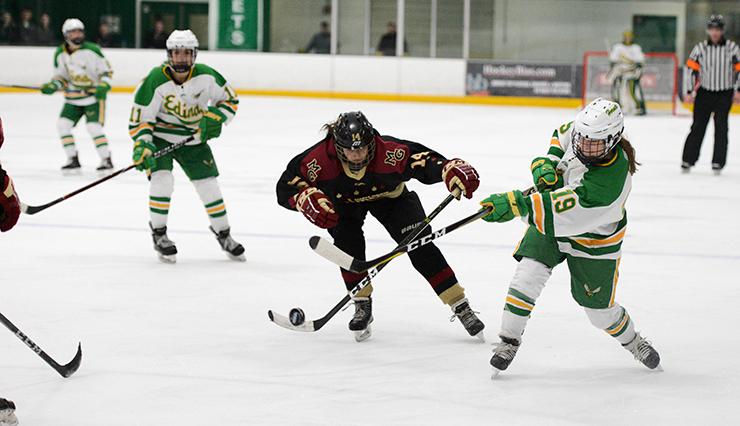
column 644, row 352
column 72, row 167
column 360, row 322
column 469, row 320
column 7, row 413
column 164, row 247
column 503, row 355
column 105, row 165
column 234, row 250
column 716, row 169
column 685, row 168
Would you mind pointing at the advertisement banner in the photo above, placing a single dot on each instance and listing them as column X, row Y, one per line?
column 237, row 29
column 492, row 78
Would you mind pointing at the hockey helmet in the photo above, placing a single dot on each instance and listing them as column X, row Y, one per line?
column 352, row 131
column 599, row 121
column 182, row 39
column 72, row 24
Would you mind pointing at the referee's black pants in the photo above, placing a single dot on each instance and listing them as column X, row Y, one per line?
column 706, row 103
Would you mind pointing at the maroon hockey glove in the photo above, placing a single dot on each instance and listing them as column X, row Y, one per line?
column 10, row 209
column 317, row 208
column 2, row 135
column 458, row 173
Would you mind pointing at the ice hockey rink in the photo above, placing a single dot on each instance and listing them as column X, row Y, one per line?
column 191, row 343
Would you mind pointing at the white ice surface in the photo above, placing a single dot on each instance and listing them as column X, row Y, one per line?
column 191, row 344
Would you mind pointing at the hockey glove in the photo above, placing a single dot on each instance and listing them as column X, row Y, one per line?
column 210, row 124
column 505, row 206
column 10, row 208
column 101, row 90
column 545, row 174
column 143, row 155
column 51, row 87
column 317, row 208
column 458, row 174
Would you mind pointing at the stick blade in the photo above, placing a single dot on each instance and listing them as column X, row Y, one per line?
column 284, row 322
column 72, row 366
column 330, row 252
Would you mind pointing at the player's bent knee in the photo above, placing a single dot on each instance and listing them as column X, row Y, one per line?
column 64, row 126
column 94, row 129
column 530, row 277
column 604, row 318
column 162, row 182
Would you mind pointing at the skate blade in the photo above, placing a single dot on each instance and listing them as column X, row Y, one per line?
column 362, row 335
column 72, row 172
column 481, row 336
column 169, row 259
column 104, row 173
column 495, row 373
column 240, row 258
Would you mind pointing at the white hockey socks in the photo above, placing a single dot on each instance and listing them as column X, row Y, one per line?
column 526, row 285
column 615, row 321
column 213, row 201
column 161, row 185
column 101, row 142
column 64, row 128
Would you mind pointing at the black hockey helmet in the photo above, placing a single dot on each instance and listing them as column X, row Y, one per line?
column 352, row 130
column 716, row 21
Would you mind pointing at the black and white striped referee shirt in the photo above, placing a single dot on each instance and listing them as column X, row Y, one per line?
column 716, row 66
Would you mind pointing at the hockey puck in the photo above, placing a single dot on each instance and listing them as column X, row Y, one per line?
column 297, row 317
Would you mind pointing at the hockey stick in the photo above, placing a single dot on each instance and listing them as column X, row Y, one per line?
column 315, row 325
column 330, row 252
column 16, row 86
column 64, row 370
column 35, row 209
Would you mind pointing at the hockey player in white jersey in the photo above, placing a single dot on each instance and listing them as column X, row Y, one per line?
column 626, row 60
column 176, row 100
column 83, row 73
column 578, row 217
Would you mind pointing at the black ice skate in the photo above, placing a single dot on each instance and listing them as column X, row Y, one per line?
column 234, row 250
column 643, row 351
column 7, row 413
column 164, row 247
column 469, row 320
column 360, row 322
column 72, row 166
column 503, row 355
column 105, row 165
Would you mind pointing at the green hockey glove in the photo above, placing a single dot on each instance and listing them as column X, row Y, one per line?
column 51, row 87
column 210, row 124
column 545, row 174
column 505, row 206
column 144, row 155
column 101, row 90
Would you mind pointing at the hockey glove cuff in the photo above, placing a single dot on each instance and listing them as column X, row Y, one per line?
column 101, row 90
column 317, row 208
column 210, row 124
column 51, row 87
column 458, row 174
column 505, row 206
column 144, row 155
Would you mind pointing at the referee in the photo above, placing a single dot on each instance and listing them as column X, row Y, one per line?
column 714, row 68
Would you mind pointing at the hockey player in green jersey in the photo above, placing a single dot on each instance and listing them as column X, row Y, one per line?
column 578, row 217
column 176, row 100
column 83, row 73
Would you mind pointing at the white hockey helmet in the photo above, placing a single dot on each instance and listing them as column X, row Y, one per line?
column 182, row 39
column 599, row 121
column 72, row 24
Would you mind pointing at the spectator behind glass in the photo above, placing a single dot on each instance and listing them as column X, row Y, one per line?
column 107, row 38
column 27, row 30
column 46, row 35
column 8, row 30
column 321, row 41
column 157, row 37
column 387, row 45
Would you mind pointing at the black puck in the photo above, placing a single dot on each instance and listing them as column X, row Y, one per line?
column 297, row 317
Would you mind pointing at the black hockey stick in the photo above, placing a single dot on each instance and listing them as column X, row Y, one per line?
column 65, row 370
column 315, row 325
column 330, row 252
column 35, row 209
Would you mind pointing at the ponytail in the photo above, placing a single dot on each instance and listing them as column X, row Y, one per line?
column 629, row 150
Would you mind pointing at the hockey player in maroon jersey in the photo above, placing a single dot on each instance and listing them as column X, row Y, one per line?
column 10, row 208
column 354, row 170
column 9, row 211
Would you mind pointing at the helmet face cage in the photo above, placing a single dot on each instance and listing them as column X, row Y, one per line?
column 182, row 67
column 77, row 40
column 352, row 131
column 594, row 151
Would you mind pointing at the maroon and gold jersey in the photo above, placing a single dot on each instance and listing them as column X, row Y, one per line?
column 395, row 162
